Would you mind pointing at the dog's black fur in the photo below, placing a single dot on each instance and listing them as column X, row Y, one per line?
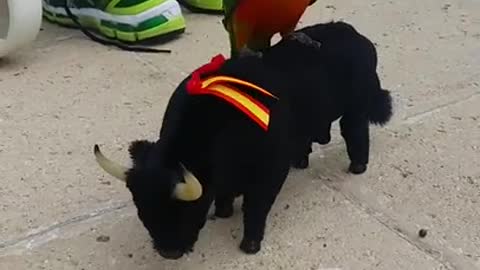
column 338, row 81
column 231, row 155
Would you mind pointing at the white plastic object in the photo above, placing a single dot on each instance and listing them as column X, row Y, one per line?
column 21, row 21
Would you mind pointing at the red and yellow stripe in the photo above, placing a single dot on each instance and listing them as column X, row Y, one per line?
column 220, row 86
column 227, row 79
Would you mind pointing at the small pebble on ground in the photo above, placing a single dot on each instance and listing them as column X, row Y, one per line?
column 422, row 233
column 103, row 238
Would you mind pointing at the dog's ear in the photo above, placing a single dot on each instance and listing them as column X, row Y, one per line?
column 139, row 151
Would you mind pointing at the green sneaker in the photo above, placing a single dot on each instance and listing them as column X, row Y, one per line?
column 124, row 20
column 205, row 6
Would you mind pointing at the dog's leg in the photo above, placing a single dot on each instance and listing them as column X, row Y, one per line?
column 322, row 134
column 301, row 152
column 355, row 131
column 224, row 206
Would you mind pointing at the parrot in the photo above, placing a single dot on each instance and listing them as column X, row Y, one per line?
column 251, row 24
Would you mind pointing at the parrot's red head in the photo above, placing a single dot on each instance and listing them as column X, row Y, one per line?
column 194, row 85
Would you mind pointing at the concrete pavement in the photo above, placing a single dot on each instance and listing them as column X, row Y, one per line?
column 64, row 93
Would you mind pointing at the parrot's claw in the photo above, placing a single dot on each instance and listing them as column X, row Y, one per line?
column 246, row 52
column 304, row 39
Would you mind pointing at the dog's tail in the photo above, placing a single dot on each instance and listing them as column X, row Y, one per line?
column 380, row 106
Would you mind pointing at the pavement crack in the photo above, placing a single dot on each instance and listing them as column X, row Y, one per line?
column 445, row 257
column 416, row 117
column 60, row 225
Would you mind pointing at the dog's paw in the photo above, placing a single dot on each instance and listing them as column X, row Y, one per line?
column 250, row 246
column 357, row 168
column 301, row 163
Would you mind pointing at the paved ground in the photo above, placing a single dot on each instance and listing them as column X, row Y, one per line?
column 65, row 93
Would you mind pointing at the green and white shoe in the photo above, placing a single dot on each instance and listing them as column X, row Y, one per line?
column 204, row 6
column 125, row 20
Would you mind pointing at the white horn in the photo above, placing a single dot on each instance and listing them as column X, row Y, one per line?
column 191, row 190
column 112, row 168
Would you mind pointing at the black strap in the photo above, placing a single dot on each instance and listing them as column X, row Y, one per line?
column 111, row 42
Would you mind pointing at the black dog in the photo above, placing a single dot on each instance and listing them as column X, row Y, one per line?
column 208, row 150
column 339, row 80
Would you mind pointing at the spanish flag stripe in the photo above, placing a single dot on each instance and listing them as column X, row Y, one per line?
column 218, row 79
column 251, row 99
column 243, row 102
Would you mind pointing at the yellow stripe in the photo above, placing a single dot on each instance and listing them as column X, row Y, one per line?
column 215, row 79
column 240, row 98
